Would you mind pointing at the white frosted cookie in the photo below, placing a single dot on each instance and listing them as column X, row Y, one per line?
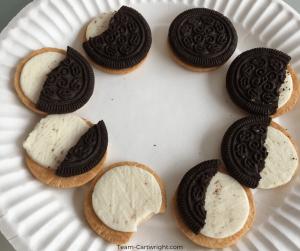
column 285, row 90
column 52, row 138
column 281, row 162
column 98, row 25
column 125, row 196
column 35, row 71
column 226, row 205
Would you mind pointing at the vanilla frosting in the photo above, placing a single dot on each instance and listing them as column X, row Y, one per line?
column 99, row 25
column 35, row 71
column 124, row 196
column 285, row 90
column 226, row 205
column 281, row 162
column 52, row 138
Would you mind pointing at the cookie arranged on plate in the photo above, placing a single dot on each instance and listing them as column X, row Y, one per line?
column 54, row 81
column 211, row 208
column 261, row 82
column 259, row 153
column 66, row 151
column 121, row 197
column 117, row 42
column 202, row 39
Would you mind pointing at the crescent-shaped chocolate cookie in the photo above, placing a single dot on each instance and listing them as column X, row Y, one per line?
column 254, row 79
column 243, row 149
column 202, row 39
column 87, row 153
column 123, row 45
column 69, row 86
column 191, row 194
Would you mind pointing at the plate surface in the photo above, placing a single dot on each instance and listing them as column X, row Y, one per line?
column 160, row 115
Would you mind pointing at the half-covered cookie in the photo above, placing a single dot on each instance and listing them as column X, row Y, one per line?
column 54, row 81
column 121, row 197
column 66, row 151
column 202, row 39
column 211, row 208
column 259, row 153
column 117, row 42
column 261, row 82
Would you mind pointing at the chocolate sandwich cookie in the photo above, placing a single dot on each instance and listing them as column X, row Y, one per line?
column 259, row 153
column 202, row 39
column 260, row 82
column 121, row 197
column 53, row 81
column 66, row 151
column 211, row 208
column 123, row 46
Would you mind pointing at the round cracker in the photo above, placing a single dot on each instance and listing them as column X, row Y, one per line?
column 112, row 71
column 191, row 67
column 285, row 132
column 209, row 242
column 48, row 176
column 17, row 83
column 98, row 226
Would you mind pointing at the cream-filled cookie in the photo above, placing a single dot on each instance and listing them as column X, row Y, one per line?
column 54, row 81
column 211, row 208
column 65, row 151
column 121, row 197
column 117, row 42
column 261, row 82
column 259, row 153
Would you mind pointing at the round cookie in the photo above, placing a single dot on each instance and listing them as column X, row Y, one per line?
column 72, row 152
column 51, row 82
column 123, row 46
column 260, row 82
column 214, row 191
column 259, row 153
column 202, row 39
column 109, row 234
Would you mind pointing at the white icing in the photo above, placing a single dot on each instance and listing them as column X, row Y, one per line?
column 285, row 90
column 99, row 25
column 34, row 73
column 226, row 205
column 52, row 138
column 282, row 160
column 124, row 196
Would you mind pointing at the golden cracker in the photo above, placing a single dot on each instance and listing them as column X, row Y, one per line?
column 98, row 226
column 209, row 242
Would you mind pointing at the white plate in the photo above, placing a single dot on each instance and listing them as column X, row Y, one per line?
column 183, row 113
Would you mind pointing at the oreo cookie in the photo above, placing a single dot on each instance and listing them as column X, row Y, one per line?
column 191, row 194
column 202, row 38
column 243, row 149
column 87, row 153
column 254, row 78
column 124, row 44
column 69, row 86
